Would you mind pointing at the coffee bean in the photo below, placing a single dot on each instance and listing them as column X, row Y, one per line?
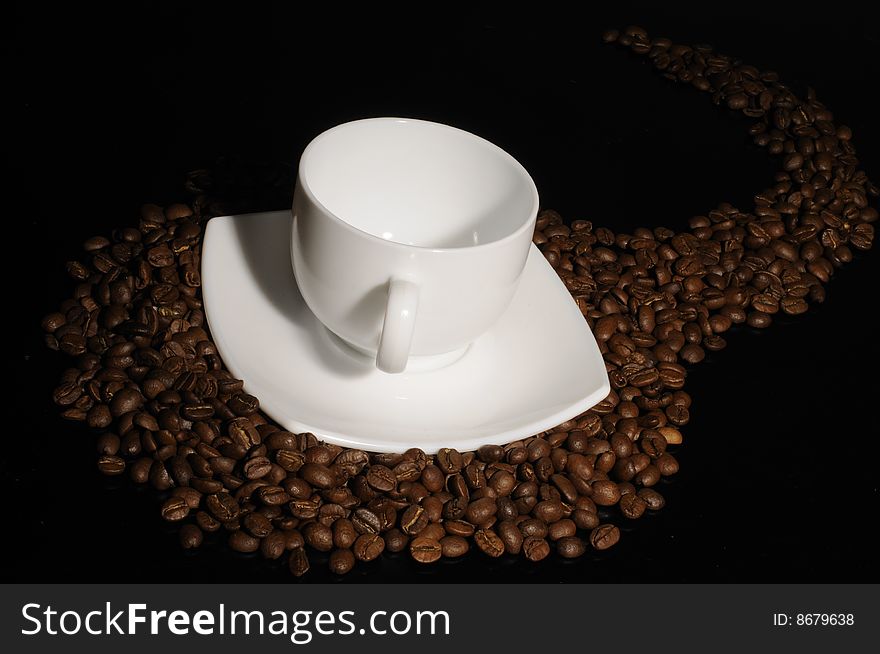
column 413, row 520
column 489, row 542
column 396, row 540
column 535, row 549
column 298, row 562
column 548, row 510
column 257, row 467
column 432, row 478
column 207, row 522
column 257, row 525
column 368, row 547
column 318, row 536
column 318, row 475
column 425, row 550
column 667, row 465
column 125, row 400
column 649, row 476
column 453, row 546
column 511, row 536
column 240, row 541
column 479, row 511
column 605, row 493
column 652, row 498
column 243, row 433
column 175, row 509
column 272, row 495
column 344, row 533
column 562, row 529
column 111, row 465
column 366, row 521
column 449, row 461
column 222, row 506
column 243, row 404
column 632, row 506
column 490, row 453
column 571, row 547
column 671, row 435
column 381, row 478
column 341, row 561
column 585, row 519
column 190, row 537
column 604, row 536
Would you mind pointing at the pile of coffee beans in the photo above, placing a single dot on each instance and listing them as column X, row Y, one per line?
column 148, row 380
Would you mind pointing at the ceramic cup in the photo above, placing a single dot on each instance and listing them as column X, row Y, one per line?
column 409, row 237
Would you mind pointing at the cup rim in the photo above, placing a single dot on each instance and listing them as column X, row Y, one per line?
column 530, row 220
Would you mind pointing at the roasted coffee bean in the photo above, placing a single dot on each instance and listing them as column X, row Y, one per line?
column 366, row 521
column 257, row 525
column 222, row 506
column 653, row 500
column 604, row 536
column 667, row 465
column 240, row 541
column 535, row 549
column 190, row 537
column 395, row 540
column 243, row 404
column 632, row 506
column 318, row 475
column 243, row 433
column 125, row 400
column 511, row 536
column 298, row 562
column 533, row 527
column 425, row 550
column 585, row 519
column 344, row 533
column 111, row 465
column 292, row 537
column 490, row 453
column 413, row 520
column 381, row 478
column 561, row 529
column 257, row 467
column 481, row 510
column 272, row 495
column 571, row 547
column 318, row 536
column 549, row 510
column 605, row 493
column 175, row 509
column 671, row 435
column 453, row 546
column 489, row 542
column 341, row 561
column 273, row 545
column 432, row 478
column 449, row 461
column 368, row 547
column 207, row 522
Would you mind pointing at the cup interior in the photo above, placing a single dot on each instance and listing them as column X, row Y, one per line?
column 419, row 183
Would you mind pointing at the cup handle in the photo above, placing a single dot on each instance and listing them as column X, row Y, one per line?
column 397, row 330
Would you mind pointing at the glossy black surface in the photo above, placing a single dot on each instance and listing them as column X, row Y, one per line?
column 779, row 477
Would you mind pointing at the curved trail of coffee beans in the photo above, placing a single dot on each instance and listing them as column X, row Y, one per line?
column 148, row 376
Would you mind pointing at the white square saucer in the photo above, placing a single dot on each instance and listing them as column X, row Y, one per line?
column 538, row 366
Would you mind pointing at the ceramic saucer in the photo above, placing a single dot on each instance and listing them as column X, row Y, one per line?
column 538, row 366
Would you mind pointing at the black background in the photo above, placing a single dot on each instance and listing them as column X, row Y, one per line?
column 779, row 477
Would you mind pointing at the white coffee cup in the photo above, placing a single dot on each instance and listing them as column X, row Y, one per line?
column 409, row 237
